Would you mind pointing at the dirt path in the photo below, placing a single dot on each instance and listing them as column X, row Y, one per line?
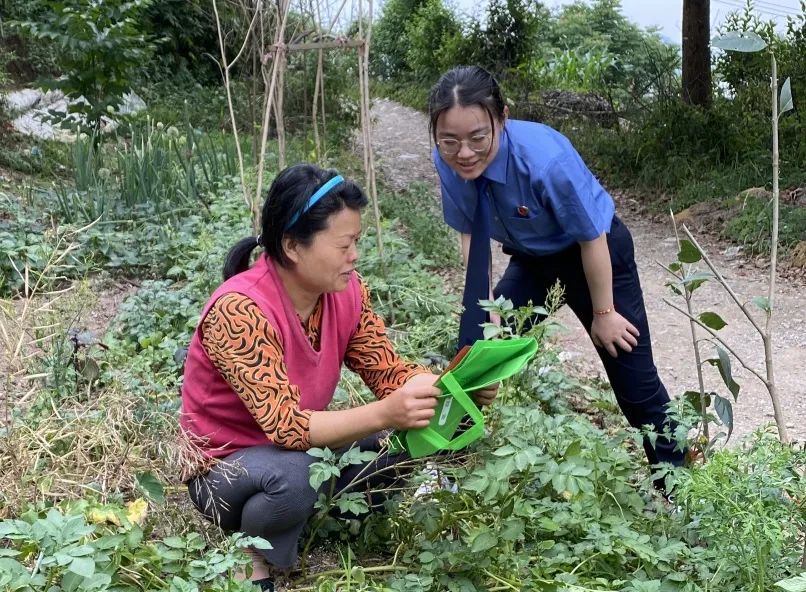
column 403, row 154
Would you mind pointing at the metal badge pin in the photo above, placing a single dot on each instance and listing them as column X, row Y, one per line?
column 523, row 211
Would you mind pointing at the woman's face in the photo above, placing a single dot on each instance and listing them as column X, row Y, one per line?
column 327, row 264
column 467, row 140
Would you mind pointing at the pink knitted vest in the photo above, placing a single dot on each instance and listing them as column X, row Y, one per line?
column 212, row 411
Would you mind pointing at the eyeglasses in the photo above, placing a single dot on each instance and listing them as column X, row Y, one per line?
column 452, row 146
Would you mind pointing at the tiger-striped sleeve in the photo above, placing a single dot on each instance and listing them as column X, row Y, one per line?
column 246, row 349
column 372, row 355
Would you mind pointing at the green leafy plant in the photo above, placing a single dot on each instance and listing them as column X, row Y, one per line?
column 746, row 505
column 691, row 252
column 69, row 552
column 334, row 505
column 99, row 45
column 157, row 171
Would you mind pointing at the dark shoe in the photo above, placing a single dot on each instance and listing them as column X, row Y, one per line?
column 265, row 584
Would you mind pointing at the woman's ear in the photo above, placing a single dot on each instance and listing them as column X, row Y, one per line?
column 290, row 248
column 505, row 115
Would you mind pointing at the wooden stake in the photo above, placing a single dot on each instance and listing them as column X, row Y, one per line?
column 225, row 70
column 269, row 93
column 778, row 412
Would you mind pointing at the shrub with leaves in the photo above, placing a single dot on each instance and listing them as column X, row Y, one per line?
column 87, row 546
column 98, row 45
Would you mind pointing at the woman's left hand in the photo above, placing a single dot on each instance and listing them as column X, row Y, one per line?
column 486, row 395
column 612, row 331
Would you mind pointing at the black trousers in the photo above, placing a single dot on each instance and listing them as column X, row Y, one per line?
column 633, row 376
column 264, row 491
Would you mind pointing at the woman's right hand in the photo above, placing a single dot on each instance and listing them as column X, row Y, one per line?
column 413, row 404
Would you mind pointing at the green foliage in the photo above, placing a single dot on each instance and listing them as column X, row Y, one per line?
column 746, row 74
column 513, row 34
column 336, row 508
column 417, row 209
column 745, row 504
column 98, row 46
column 179, row 99
column 752, row 226
column 708, row 407
column 430, row 32
column 341, row 93
column 185, row 33
column 600, row 28
column 147, row 196
column 402, row 287
column 389, row 48
column 157, row 171
column 568, row 69
column 68, row 552
column 582, row 47
column 22, row 59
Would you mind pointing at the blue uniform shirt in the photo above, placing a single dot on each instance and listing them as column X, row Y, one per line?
column 544, row 199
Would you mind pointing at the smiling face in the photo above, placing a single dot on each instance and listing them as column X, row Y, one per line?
column 327, row 264
column 468, row 126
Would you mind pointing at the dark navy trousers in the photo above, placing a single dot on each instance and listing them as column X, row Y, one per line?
column 633, row 376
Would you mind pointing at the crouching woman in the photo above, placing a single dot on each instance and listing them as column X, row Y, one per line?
column 265, row 360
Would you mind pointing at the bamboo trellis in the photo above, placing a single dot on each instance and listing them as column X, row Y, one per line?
column 274, row 62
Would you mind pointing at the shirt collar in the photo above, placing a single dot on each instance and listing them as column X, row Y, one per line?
column 497, row 169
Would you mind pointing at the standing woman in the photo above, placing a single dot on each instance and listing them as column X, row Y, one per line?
column 524, row 185
column 265, row 359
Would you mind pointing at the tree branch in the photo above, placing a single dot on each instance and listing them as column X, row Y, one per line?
column 719, row 339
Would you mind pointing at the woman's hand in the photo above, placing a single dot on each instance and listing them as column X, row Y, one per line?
column 486, row 395
column 612, row 330
column 412, row 405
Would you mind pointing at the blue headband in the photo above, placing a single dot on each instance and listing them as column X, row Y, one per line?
column 320, row 193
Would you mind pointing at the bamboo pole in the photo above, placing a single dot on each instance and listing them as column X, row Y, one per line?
column 778, row 412
column 318, row 86
column 278, row 47
column 339, row 44
column 366, row 123
column 279, row 108
column 317, row 143
column 225, row 70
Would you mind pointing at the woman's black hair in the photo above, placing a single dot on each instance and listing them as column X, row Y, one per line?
column 465, row 86
column 287, row 196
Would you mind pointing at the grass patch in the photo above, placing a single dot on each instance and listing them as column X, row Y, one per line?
column 418, row 211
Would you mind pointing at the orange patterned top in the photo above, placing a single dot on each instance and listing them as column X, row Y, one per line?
column 246, row 349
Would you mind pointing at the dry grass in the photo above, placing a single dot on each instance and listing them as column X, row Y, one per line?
column 60, row 441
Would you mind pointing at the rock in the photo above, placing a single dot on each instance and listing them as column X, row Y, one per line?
column 132, row 103
column 698, row 216
column 20, row 101
column 733, row 252
column 798, row 257
column 795, row 196
column 754, row 193
column 36, row 119
column 35, row 123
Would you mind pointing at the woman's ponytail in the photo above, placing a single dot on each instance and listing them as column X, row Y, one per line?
column 238, row 256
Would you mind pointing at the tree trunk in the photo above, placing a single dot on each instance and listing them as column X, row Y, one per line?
column 696, row 52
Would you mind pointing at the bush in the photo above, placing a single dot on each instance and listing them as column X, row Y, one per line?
column 100, row 45
column 185, row 31
column 389, row 47
column 21, row 58
column 430, row 33
column 90, row 546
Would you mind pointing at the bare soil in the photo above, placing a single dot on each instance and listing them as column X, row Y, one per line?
column 402, row 150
